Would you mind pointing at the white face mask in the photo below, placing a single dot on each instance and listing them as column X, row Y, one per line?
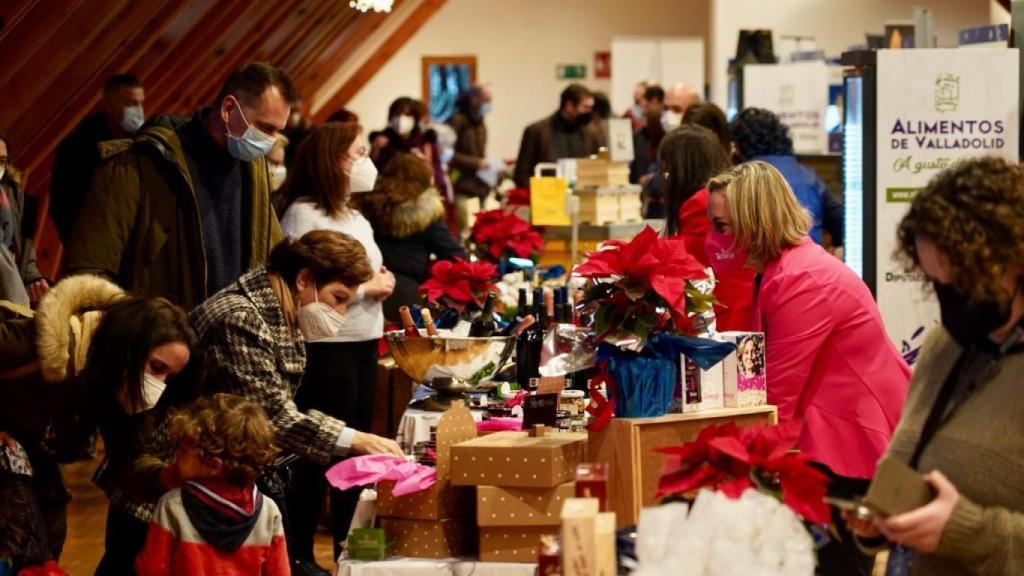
column 317, row 320
column 403, row 124
column 671, row 120
column 278, row 173
column 132, row 118
column 362, row 176
column 252, row 145
column 2, row 172
column 152, row 389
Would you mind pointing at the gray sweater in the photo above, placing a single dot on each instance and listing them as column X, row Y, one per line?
column 981, row 450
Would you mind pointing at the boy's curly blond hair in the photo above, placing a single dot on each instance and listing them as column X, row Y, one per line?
column 231, row 428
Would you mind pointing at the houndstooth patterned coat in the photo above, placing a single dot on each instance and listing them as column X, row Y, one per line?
column 250, row 351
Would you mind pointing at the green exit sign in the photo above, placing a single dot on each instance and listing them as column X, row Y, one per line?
column 571, row 71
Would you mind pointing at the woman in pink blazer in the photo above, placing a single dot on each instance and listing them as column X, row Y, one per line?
column 829, row 361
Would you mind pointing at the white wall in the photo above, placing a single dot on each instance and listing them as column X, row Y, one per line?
column 517, row 44
column 836, row 24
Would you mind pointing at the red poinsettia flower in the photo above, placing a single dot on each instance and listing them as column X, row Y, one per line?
column 500, row 234
column 722, row 458
column 458, row 283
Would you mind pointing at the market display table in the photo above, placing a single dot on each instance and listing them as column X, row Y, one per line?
column 422, row 567
column 415, row 426
column 627, row 446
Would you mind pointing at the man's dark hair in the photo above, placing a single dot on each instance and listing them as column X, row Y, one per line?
column 710, row 116
column 250, row 81
column 602, row 107
column 574, row 93
column 759, row 132
column 118, row 81
column 655, row 92
column 400, row 105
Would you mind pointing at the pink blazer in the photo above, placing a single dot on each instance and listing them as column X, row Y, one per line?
column 829, row 360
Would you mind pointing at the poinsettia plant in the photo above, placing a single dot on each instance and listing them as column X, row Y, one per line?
column 728, row 459
column 643, row 286
column 459, row 283
column 500, row 235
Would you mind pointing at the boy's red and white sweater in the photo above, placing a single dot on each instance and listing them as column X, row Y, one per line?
column 207, row 528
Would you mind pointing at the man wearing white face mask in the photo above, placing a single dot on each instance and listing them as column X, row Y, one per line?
column 78, row 155
column 184, row 209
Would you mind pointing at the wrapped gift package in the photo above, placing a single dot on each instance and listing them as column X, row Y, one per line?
column 516, row 459
column 598, row 173
column 744, row 372
column 430, row 538
column 512, row 543
column 514, row 507
column 442, row 500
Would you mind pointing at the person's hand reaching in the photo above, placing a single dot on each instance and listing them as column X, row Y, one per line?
column 380, row 286
column 364, row 443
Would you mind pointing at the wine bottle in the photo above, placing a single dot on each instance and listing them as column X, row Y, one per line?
column 428, row 322
column 407, row 323
column 484, row 326
column 528, row 350
column 521, row 311
column 523, row 325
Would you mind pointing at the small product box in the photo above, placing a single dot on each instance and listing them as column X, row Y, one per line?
column 517, row 459
column 701, row 389
column 367, row 544
column 744, row 371
column 592, row 482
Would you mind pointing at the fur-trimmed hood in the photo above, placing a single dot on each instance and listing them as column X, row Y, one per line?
column 66, row 320
column 405, row 218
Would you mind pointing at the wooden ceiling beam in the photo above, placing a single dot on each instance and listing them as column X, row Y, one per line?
column 201, row 42
column 78, row 88
column 406, row 30
column 343, row 47
column 341, row 20
column 34, row 31
column 169, row 46
column 239, row 49
column 303, row 21
column 12, row 12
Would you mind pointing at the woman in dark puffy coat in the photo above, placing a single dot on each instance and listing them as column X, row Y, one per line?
column 407, row 215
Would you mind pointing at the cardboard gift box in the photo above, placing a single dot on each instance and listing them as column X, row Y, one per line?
column 512, row 543
column 430, row 538
column 744, row 372
column 601, row 173
column 518, row 460
column 599, row 205
column 631, row 206
column 699, row 389
column 508, row 507
column 442, row 500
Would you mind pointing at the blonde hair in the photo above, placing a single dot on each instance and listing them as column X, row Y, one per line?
column 766, row 216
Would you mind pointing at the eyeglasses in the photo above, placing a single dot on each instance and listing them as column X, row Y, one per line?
column 4, row 162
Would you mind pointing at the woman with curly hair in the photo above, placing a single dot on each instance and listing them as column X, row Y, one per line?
column 831, row 365
column 961, row 428
column 408, row 220
column 758, row 134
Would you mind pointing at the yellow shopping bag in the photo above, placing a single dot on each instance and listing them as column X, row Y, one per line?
column 547, row 197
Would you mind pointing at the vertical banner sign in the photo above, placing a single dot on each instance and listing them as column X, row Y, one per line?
column 935, row 108
column 798, row 94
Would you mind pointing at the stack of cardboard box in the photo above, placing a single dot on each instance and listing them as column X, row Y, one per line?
column 437, row 522
column 522, row 482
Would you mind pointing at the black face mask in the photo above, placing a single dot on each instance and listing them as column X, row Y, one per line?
column 584, row 119
column 969, row 323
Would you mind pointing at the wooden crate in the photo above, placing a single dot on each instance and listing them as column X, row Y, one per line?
column 601, row 173
column 630, row 204
column 599, row 205
column 627, row 446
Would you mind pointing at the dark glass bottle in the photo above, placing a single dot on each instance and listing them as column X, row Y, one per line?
column 528, row 349
column 484, row 326
column 407, row 323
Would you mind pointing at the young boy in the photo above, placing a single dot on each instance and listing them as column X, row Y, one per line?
column 217, row 522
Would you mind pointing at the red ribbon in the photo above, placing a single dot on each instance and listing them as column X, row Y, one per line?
column 602, row 409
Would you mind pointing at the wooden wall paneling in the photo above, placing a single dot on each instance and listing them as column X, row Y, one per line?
column 153, row 63
column 77, row 90
column 33, row 32
column 327, row 35
column 341, row 49
column 12, row 12
column 329, row 25
column 304, row 19
column 375, row 62
column 241, row 49
column 199, row 43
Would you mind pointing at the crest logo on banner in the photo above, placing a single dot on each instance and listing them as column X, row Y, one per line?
column 947, row 93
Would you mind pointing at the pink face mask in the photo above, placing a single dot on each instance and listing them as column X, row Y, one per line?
column 725, row 260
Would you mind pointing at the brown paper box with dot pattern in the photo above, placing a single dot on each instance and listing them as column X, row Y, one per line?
column 511, row 507
column 516, row 460
column 442, row 500
column 512, row 543
column 430, row 538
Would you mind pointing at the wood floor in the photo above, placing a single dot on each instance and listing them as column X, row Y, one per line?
column 87, row 516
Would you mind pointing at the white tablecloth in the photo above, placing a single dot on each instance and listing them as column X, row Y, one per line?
column 415, row 426
column 420, row 567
